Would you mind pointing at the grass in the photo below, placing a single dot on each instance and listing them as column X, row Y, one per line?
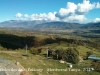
column 82, row 50
column 41, row 62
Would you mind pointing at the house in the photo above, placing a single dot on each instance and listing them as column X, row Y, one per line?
column 94, row 57
column 50, row 52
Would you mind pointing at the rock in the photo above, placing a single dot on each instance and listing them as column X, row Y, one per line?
column 24, row 73
column 61, row 61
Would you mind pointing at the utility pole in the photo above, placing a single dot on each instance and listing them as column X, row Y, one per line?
column 57, row 56
column 26, row 48
column 47, row 52
column 57, row 53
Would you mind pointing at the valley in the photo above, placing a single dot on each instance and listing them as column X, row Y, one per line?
column 49, row 37
column 57, row 37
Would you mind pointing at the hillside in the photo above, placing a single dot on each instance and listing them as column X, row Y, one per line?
column 14, row 42
column 91, row 26
column 13, row 48
column 41, row 65
column 43, row 24
column 58, row 25
column 39, row 24
column 20, row 23
column 18, row 39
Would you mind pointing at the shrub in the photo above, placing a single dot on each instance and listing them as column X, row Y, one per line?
column 72, row 55
column 33, row 51
column 96, row 65
column 58, row 54
column 1, row 48
column 88, row 53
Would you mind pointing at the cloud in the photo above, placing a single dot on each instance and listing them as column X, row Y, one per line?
column 18, row 15
column 8, row 19
column 83, row 8
column 51, row 16
column 43, row 16
column 96, row 20
column 68, row 11
column 72, row 8
column 76, row 12
column 35, row 17
column 26, row 15
column 76, row 18
column 98, row 5
column 71, row 13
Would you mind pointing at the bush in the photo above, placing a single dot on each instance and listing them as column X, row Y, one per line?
column 33, row 51
column 72, row 55
column 60, row 53
column 96, row 65
column 88, row 53
column 1, row 48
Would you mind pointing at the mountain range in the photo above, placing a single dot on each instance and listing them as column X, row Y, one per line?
column 41, row 24
column 20, row 23
column 91, row 26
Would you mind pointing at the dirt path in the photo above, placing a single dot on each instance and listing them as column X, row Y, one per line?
column 8, row 68
column 8, row 65
column 12, row 52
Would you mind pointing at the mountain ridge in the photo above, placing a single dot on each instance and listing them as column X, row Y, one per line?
column 91, row 26
column 41, row 24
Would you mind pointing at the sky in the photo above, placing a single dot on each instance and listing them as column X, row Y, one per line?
column 80, row 11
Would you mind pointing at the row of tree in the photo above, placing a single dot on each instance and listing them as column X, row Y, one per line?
column 70, row 55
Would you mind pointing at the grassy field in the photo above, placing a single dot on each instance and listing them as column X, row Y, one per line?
column 40, row 65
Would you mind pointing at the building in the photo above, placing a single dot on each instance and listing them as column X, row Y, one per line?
column 50, row 53
column 94, row 57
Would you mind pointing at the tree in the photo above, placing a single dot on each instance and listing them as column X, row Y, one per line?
column 58, row 54
column 33, row 51
column 1, row 48
column 71, row 55
column 96, row 65
column 39, row 50
column 88, row 53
